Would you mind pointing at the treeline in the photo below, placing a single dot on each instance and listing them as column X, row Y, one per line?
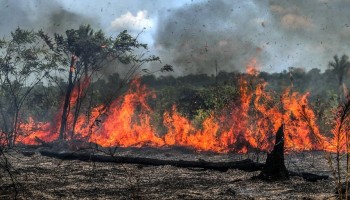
column 313, row 81
column 193, row 94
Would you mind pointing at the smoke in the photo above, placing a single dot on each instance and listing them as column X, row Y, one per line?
column 202, row 37
column 50, row 16
column 289, row 34
column 317, row 30
column 205, row 36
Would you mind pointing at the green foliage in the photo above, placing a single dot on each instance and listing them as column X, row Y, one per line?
column 20, row 36
column 218, row 97
column 24, row 55
column 196, row 103
column 340, row 66
column 24, row 62
column 95, row 50
column 42, row 104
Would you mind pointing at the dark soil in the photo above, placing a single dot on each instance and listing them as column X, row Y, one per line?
column 40, row 177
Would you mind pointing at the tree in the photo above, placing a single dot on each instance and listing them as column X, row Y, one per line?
column 339, row 67
column 89, row 52
column 24, row 62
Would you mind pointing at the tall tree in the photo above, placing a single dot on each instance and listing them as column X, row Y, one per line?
column 89, row 52
column 340, row 67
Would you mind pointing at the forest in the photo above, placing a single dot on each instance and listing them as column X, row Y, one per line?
column 62, row 93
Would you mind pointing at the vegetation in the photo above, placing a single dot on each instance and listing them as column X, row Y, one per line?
column 34, row 67
column 88, row 53
column 24, row 63
column 38, row 89
column 41, row 75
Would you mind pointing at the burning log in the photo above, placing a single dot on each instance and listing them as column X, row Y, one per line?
column 245, row 165
column 275, row 168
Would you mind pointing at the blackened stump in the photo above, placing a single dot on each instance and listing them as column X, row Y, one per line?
column 275, row 168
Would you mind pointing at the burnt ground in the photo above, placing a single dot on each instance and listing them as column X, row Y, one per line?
column 40, row 177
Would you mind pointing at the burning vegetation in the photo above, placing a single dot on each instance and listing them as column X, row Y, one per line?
column 240, row 112
column 247, row 124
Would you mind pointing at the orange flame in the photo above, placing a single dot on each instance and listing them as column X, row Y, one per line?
column 251, row 124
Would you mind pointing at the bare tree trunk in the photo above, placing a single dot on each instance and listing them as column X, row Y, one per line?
column 80, row 97
column 77, row 106
column 4, row 118
column 66, row 105
column 5, row 126
column 15, row 127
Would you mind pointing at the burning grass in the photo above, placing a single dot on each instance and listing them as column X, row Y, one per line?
column 249, row 125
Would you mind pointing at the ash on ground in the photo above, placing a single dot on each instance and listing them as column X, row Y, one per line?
column 39, row 177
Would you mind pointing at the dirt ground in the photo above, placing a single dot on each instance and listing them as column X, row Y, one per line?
column 40, row 177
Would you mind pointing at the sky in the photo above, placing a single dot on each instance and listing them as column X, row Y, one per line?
column 201, row 36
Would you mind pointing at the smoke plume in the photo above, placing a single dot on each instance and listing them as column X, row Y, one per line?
column 39, row 14
column 205, row 36
column 289, row 34
column 202, row 37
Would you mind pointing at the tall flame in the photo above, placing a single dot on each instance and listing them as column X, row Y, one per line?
column 251, row 123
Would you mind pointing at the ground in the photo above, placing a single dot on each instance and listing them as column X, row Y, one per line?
column 40, row 177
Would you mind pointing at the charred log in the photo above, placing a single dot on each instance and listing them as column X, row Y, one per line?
column 245, row 165
column 275, row 168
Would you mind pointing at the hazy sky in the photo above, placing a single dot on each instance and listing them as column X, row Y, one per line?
column 193, row 35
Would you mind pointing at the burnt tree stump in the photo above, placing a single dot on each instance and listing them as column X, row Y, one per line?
column 274, row 168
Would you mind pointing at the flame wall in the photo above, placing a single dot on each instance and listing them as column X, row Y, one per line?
column 250, row 125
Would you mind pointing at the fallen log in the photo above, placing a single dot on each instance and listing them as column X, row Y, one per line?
column 245, row 165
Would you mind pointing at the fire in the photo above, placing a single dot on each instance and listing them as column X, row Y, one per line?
column 181, row 132
column 251, row 124
column 35, row 130
column 252, row 67
column 124, row 126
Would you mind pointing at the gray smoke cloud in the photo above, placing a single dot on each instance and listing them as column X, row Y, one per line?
column 193, row 37
column 314, row 30
column 198, row 36
column 50, row 16
column 289, row 34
